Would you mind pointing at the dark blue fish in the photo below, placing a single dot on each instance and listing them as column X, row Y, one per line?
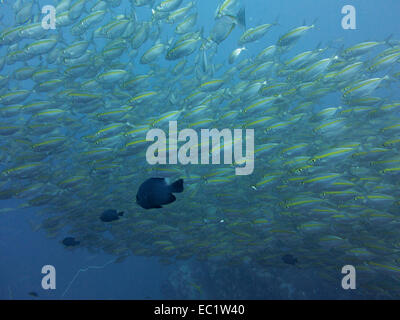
column 110, row 215
column 155, row 192
column 70, row 242
column 289, row 259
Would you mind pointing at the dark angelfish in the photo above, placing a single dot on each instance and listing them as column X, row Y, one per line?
column 155, row 192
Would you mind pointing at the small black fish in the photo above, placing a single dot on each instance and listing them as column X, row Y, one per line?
column 33, row 294
column 155, row 192
column 110, row 215
column 289, row 259
column 70, row 242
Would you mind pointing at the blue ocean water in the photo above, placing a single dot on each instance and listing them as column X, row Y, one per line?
column 82, row 274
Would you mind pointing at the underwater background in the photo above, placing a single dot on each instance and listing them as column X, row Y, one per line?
column 225, row 236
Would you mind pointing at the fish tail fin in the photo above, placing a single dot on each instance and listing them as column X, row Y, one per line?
column 276, row 22
column 314, row 23
column 388, row 81
column 121, row 213
column 177, row 186
column 241, row 17
column 387, row 40
column 202, row 34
